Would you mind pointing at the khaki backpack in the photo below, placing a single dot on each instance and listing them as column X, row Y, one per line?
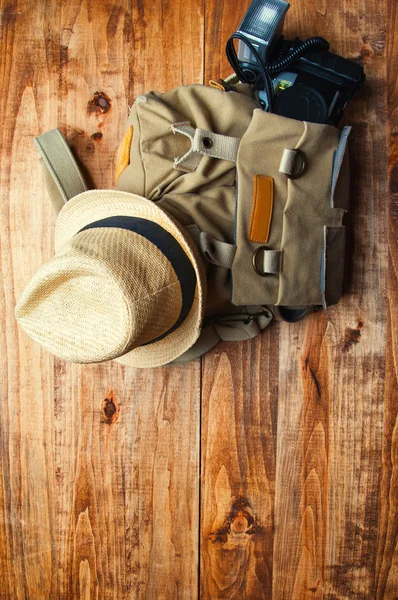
column 263, row 197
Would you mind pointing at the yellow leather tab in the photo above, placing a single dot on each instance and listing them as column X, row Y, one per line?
column 123, row 154
column 219, row 84
column 263, row 201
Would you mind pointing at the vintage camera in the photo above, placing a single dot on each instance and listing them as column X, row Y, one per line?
column 296, row 79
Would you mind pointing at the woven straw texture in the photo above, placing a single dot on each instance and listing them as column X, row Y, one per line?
column 108, row 291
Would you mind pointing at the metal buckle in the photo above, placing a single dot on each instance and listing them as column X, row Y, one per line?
column 254, row 260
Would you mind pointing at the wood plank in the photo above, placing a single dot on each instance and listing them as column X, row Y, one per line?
column 238, row 470
column 387, row 556
column 239, row 413
column 331, row 367
column 331, row 398
column 127, row 471
column 144, row 556
column 221, row 21
column 99, row 481
column 301, row 487
column 27, row 477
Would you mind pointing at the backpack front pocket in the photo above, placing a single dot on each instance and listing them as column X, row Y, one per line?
column 284, row 189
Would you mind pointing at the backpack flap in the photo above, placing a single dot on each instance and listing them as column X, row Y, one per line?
column 292, row 193
column 173, row 137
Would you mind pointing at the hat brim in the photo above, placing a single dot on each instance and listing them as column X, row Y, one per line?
column 94, row 205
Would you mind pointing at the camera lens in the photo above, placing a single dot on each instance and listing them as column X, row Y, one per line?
column 303, row 103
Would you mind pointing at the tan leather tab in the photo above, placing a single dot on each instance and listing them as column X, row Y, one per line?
column 219, row 84
column 263, row 201
column 123, row 155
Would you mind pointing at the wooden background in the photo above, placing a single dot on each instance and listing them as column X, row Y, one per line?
column 270, row 468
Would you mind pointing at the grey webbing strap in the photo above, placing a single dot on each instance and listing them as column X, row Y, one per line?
column 204, row 143
column 60, row 168
column 267, row 262
column 240, row 327
column 288, row 161
column 222, row 254
column 272, row 261
column 206, row 341
column 233, row 328
column 219, row 253
column 293, row 163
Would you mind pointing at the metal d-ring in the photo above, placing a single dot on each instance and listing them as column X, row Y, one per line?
column 254, row 259
column 301, row 170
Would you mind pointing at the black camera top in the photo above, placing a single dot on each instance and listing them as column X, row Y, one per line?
column 297, row 79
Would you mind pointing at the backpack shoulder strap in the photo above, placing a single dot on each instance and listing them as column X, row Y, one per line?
column 62, row 175
column 205, row 342
column 231, row 328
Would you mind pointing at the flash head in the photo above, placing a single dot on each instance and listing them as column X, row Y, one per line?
column 262, row 26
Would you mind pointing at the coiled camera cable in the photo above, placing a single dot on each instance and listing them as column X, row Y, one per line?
column 263, row 79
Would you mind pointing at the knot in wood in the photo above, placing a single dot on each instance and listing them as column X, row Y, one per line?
column 110, row 410
column 99, row 104
column 239, row 524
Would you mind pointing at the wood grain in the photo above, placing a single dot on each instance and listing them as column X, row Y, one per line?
column 239, row 414
column 302, row 464
column 268, row 471
column 332, row 366
column 27, row 477
column 127, row 472
column 330, row 417
column 387, row 556
column 238, row 471
column 221, row 20
column 99, row 479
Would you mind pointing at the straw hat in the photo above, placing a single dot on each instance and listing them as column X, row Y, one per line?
column 126, row 283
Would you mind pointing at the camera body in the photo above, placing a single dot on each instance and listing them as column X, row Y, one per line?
column 302, row 80
column 317, row 87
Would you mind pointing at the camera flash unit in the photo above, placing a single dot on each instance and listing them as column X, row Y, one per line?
column 262, row 25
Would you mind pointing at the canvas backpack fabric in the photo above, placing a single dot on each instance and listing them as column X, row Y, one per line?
column 262, row 196
column 267, row 218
